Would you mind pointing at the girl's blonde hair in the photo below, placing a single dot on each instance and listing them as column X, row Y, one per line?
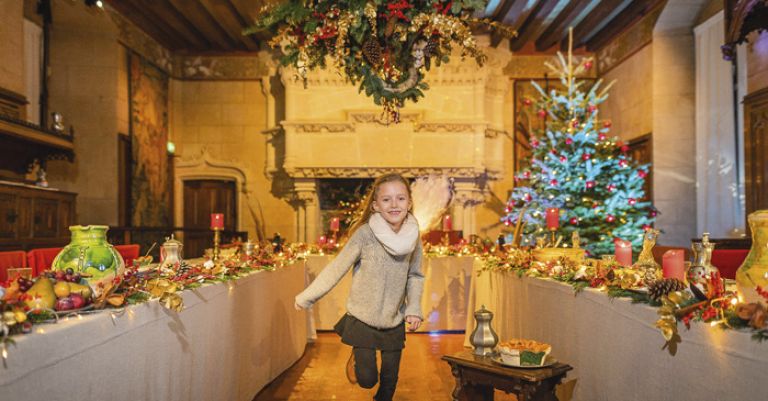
column 366, row 207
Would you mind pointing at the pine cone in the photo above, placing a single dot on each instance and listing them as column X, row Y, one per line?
column 372, row 52
column 659, row 288
column 432, row 46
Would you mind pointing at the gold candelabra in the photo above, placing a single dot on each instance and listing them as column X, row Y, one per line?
column 216, row 243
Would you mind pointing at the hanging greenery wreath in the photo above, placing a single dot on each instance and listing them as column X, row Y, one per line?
column 385, row 46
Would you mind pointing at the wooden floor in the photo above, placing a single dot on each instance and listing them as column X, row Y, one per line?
column 319, row 374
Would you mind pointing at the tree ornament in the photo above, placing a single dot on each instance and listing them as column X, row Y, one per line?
column 575, row 123
column 632, row 201
column 586, row 156
column 568, row 140
column 542, row 113
column 610, row 218
column 610, row 187
column 646, row 227
column 574, row 221
column 563, row 159
column 607, row 124
column 590, row 184
column 527, row 102
column 601, row 137
column 591, row 108
column 534, row 143
column 588, row 64
column 660, row 288
column 642, row 173
column 372, row 52
column 553, row 182
column 624, row 148
column 623, row 163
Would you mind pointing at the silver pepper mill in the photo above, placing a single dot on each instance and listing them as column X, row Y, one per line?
column 484, row 339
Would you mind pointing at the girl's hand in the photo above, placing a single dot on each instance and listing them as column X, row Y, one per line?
column 297, row 306
column 413, row 322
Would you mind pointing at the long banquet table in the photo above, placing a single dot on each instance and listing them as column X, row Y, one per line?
column 230, row 340
column 444, row 301
column 615, row 348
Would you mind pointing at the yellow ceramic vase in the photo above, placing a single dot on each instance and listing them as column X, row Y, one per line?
column 754, row 271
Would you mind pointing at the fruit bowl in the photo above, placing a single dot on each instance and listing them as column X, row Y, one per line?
column 518, row 352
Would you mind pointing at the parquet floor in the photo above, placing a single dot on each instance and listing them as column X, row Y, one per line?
column 319, row 374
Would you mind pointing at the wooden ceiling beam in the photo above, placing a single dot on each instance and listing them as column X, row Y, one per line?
column 532, row 24
column 198, row 16
column 180, row 22
column 635, row 11
column 559, row 27
column 159, row 32
column 505, row 13
column 592, row 20
column 228, row 19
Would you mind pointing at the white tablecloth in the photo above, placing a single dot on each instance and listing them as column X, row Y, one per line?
column 444, row 302
column 614, row 347
column 230, row 340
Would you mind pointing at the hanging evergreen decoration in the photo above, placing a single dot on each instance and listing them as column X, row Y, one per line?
column 385, row 46
column 576, row 167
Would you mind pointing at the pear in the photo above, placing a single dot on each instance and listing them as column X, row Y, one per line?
column 61, row 289
column 41, row 294
column 84, row 290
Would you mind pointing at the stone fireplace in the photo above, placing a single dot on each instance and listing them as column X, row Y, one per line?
column 329, row 130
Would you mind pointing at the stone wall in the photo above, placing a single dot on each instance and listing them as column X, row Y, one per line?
column 226, row 119
column 629, row 104
column 12, row 45
column 88, row 86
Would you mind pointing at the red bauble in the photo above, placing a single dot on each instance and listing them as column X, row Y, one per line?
column 506, row 222
column 607, row 123
column 595, row 205
column 622, row 163
column 574, row 221
column 553, row 182
column 588, row 64
column 591, row 108
column 568, row 140
column 527, row 102
column 653, row 213
column 575, row 123
column 642, row 173
column 632, row 201
column 563, row 159
column 624, row 149
column 526, row 174
column 542, row 113
column 553, row 151
column 646, row 227
column 610, row 187
column 534, row 143
column 585, row 156
column 527, row 197
column 601, row 137
column 590, row 184
column 610, row 218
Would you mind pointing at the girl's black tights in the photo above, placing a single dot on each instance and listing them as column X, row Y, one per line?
column 367, row 373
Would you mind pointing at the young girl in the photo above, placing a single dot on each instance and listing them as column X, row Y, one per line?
column 384, row 252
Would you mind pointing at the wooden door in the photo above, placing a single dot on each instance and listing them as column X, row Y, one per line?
column 46, row 218
column 201, row 199
column 755, row 150
column 9, row 216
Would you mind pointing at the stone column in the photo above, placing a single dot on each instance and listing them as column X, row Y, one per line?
column 307, row 208
column 468, row 194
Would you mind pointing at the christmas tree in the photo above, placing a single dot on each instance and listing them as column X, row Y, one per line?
column 576, row 167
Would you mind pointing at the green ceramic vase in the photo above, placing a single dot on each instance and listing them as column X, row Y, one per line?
column 754, row 271
column 90, row 254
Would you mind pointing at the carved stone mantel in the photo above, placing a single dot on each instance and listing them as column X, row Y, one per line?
column 332, row 131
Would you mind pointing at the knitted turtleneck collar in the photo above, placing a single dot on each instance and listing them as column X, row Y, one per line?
column 398, row 243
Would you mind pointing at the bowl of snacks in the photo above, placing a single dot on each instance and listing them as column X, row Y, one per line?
column 524, row 353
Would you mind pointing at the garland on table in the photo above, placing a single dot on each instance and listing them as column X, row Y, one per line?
column 385, row 46
column 718, row 307
column 138, row 285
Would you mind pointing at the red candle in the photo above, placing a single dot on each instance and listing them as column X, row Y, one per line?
column 447, row 224
column 553, row 218
column 623, row 252
column 673, row 264
column 217, row 221
column 335, row 224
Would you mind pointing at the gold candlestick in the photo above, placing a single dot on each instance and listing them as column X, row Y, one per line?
column 553, row 240
column 216, row 242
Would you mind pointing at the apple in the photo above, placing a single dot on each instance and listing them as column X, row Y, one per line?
column 77, row 301
column 64, row 304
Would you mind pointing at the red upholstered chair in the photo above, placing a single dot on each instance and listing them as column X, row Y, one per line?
column 128, row 252
column 41, row 259
column 728, row 260
column 11, row 259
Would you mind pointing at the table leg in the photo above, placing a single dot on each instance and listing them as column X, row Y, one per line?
column 543, row 391
column 469, row 392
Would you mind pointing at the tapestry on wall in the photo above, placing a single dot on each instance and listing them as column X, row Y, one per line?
column 150, row 197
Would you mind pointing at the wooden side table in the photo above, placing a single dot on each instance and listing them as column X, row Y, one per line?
column 477, row 376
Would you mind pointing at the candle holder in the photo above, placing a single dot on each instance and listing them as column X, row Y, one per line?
column 216, row 243
column 553, row 240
